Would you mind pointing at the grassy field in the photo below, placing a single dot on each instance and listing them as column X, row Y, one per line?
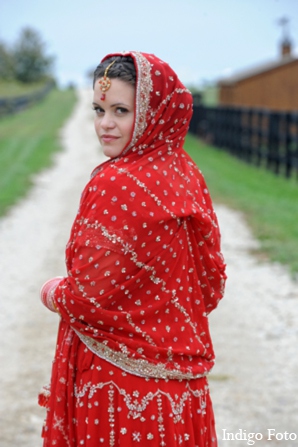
column 9, row 89
column 269, row 202
column 27, row 142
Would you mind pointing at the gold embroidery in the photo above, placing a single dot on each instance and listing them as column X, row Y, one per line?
column 143, row 88
column 138, row 367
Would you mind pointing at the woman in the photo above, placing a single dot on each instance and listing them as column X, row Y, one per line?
column 144, row 270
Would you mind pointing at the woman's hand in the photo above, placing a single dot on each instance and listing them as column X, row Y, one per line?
column 47, row 293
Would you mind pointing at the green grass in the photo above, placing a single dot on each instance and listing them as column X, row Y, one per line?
column 27, row 143
column 9, row 89
column 269, row 202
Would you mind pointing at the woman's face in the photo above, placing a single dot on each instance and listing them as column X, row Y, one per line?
column 114, row 116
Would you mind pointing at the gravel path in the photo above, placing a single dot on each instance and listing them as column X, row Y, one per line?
column 255, row 329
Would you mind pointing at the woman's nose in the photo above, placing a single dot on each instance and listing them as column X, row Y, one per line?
column 107, row 121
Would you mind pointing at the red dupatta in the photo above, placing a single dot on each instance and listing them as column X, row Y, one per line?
column 143, row 259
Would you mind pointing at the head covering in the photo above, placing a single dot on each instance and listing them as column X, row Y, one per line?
column 143, row 259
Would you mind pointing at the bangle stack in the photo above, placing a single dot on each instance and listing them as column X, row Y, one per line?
column 47, row 294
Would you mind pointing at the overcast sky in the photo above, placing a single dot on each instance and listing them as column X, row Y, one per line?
column 202, row 40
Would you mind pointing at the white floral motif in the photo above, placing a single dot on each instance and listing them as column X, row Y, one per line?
column 136, row 436
column 58, row 423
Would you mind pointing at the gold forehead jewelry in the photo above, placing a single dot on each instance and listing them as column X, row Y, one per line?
column 105, row 81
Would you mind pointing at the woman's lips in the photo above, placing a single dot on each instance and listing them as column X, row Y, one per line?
column 108, row 138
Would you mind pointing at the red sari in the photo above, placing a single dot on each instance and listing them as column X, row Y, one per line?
column 144, row 269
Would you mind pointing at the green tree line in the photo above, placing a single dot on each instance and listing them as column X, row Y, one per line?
column 26, row 60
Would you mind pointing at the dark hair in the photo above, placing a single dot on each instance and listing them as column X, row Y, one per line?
column 123, row 69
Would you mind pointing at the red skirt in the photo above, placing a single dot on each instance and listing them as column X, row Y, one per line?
column 94, row 403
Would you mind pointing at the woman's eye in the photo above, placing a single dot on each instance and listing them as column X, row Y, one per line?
column 98, row 110
column 121, row 110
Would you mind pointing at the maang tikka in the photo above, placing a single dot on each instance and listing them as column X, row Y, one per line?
column 105, row 82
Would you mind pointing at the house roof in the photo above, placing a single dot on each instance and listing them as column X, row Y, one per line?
column 254, row 71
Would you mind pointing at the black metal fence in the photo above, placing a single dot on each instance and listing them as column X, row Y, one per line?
column 262, row 137
column 16, row 104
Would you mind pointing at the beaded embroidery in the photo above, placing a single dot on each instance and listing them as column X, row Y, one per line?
column 138, row 367
column 143, row 89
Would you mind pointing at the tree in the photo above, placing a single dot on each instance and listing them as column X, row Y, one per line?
column 30, row 61
column 6, row 63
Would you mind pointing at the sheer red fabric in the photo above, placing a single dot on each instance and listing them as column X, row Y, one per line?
column 144, row 269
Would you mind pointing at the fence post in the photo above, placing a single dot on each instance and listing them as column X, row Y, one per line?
column 273, row 142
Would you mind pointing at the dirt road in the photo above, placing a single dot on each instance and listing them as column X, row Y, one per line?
column 255, row 329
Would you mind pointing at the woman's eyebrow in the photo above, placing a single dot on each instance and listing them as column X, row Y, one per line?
column 112, row 105
column 119, row 104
